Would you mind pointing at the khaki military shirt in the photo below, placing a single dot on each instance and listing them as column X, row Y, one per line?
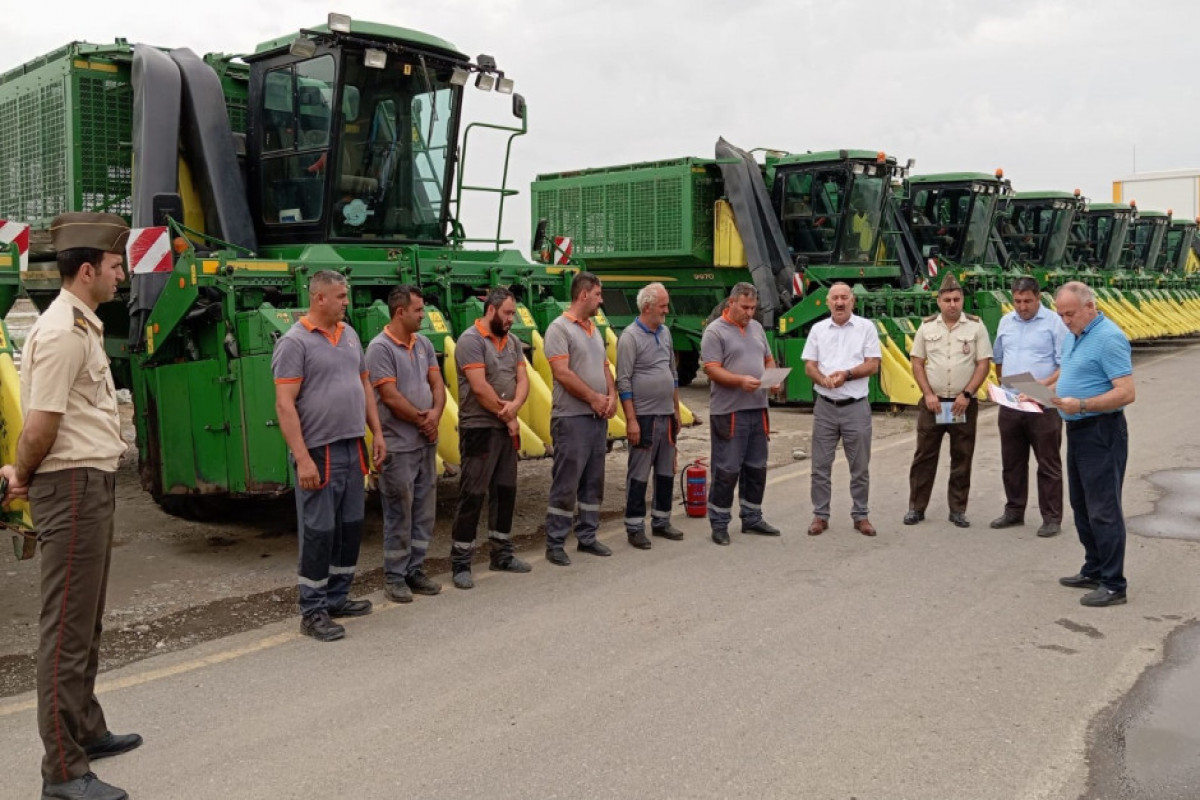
column 951, row 353
column 64, row 370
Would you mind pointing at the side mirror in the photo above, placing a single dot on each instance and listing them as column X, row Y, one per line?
column 165, row 206
column 518, row 106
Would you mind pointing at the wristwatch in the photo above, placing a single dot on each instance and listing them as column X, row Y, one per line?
column 1082, row 405
column 965, row 394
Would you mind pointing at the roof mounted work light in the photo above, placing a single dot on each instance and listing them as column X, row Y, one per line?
column 485, row 81
column 459, row 77
column 504, row 85
column 339, row 23
column 375, row 59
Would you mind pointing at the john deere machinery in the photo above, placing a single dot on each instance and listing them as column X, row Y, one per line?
column 339, row 147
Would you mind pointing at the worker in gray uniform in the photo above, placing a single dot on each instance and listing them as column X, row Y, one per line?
column 648, row 388
column 492, row 387
column 403, row 370
column 584, row 399
column 735, row 353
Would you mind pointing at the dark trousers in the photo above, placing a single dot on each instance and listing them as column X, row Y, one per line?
column 1021, row 432
column 73, row 512
column 653, row 455
column 929, row 444
column 577, row 478
column 739, row 461
column 331, row 521
column 408, row 488
column 488, row 468
column 1097, row 449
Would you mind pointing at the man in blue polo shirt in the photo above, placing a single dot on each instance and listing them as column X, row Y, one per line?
column 1095, row 383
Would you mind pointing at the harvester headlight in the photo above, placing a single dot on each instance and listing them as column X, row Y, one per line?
column 858, row 169
column 486, row 62
column 485, row 81
column 459, row 77
column 339, row 23
column 303, row 47
column 375, row 59
column 504, row 85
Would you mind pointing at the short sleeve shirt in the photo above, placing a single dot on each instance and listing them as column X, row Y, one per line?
column 406, row 365
column 646, row 369
column 65, row 371
column 580, row 343
column 951, row 354
column 742, row 351
column 1092, row 361
column 842, row 347
column 500, row 360
column 1032, row 345
column 329, row 368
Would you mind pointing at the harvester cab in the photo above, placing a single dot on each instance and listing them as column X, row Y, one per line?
column 1144, row 246
column 1035, row 229
column 1177, row 245
column 1099, row 235
column 951, row 215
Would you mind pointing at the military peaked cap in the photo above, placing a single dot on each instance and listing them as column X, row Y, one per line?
column 106, row 232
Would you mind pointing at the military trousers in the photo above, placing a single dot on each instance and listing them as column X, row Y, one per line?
column 653, row 455
column 488, row 469
column 330, row 520
column 73, row 512
column 929, row 444
column 577, row 478
column 408, row 489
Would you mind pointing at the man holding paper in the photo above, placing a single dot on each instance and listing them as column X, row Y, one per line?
column 951, row 356
column 1030, row 340
column 840, row 356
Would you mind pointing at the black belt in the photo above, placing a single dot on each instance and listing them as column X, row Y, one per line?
column 952, row 399
column 1077, row 424
column 840, row 403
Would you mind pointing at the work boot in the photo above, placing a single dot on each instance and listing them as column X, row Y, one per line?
column 316, row 624
column 420, row 583
column 638, row 539
column 507, row 562
column 463, row 579
column 667, row 531
column 112, row 744
column 595, row 548
column 351, row 608
column 558, row 556
column 761, row 528
column 398, row 592
column 720, row 536
column 85, row 787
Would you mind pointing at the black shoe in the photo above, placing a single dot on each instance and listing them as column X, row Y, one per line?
column 638, row 539
column 86, row 787
column 419, row 582
column 720, row 536
column 1080, row 581
column 762, row 528
column 959, row 519
column 1102, row 597
column 668, row 531
column 398, row 592
column 509, row 563
column 558, row 556
column 1049, row 529
column 319, row 626
column 112, row 744
column 912, row 517
column 351, row 608
column 595, row 548
column 463, row 579
column 1005, row 521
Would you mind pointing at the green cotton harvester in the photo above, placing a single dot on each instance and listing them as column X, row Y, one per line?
column 341, row 147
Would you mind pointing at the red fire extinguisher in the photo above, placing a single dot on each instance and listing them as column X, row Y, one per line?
column 693, row 485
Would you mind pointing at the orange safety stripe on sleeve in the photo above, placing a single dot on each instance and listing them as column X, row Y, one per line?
column 480, row 365
column 363, row 374
column 288, row 380
column 556, row 358
column 711, row 363
column 382, row 381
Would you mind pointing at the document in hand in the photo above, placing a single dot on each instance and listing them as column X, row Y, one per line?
column 947, row 416
column 774, row 376
column 1029, row 386
column 1008, row 399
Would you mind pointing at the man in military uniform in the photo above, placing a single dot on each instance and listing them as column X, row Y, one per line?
column 735, row 354
column 492, row 387
column 951, row 356
column 66, row 465
column 648, row 387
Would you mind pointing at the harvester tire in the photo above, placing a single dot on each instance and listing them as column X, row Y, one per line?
column 687, row 363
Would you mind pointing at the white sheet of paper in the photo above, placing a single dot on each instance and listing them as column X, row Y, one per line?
column 774, row 376
column 1008, row 397
column 1028, row 385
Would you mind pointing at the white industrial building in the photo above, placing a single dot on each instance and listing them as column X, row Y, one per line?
column 1177, row 190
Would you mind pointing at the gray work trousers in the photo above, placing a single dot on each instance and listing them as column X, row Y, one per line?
column 654, row 452
column 576, row 479
column 408, row 489
column 330, row 519
column 739, row 461
column 851, row 424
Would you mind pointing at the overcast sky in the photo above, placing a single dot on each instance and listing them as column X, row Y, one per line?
column 1060, row 94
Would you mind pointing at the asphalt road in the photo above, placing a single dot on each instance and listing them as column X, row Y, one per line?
column 929, row 663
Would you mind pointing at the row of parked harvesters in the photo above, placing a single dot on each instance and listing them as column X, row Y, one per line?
column 345, row 147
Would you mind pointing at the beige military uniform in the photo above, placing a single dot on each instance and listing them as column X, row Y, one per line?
column 951, row 354
column 66, row 372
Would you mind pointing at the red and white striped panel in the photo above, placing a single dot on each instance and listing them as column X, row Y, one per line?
column 16, row 232
column 562, row 250
column 148, row 250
